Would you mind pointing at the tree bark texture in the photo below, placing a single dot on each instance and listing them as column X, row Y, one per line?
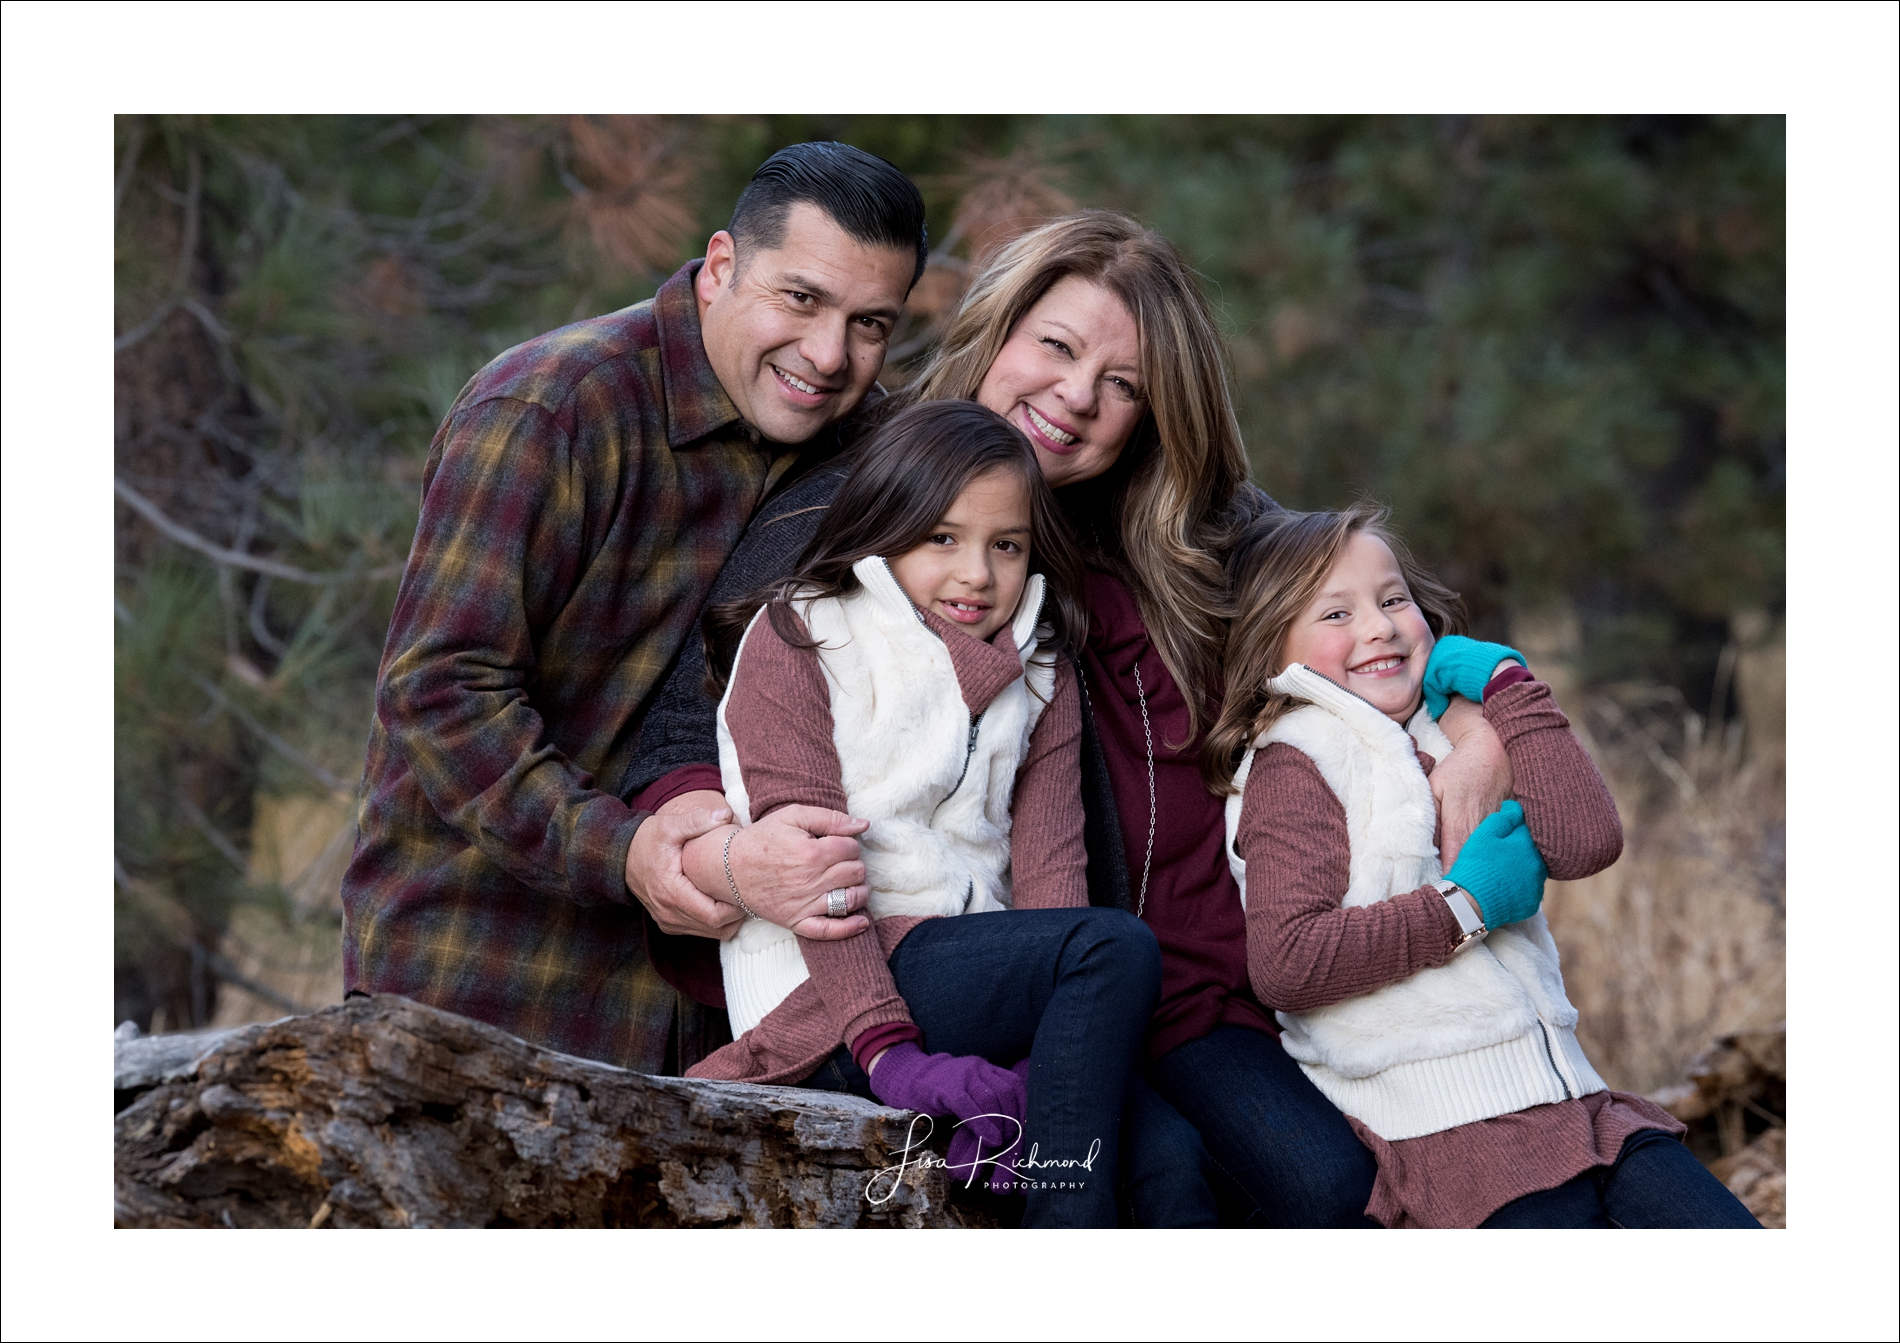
column 384, row 1112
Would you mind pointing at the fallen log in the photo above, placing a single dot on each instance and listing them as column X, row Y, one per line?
column 383, row 1112
column 1734, row 1098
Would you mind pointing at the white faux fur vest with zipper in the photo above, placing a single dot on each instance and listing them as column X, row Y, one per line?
column 1488, row 1033
column 935, row 786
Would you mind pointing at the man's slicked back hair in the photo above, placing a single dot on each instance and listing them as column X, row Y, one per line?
column 873, row 202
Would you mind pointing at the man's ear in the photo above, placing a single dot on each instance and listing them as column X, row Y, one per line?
column 722, row 263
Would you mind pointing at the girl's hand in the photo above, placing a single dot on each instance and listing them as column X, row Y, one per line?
column 969, row 1152
column 1470, row 783
column 1461, row 666
column 990, row 1101
column 1502, row 869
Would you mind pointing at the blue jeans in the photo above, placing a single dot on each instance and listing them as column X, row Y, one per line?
column 1654, row 1182
column 1275, row 1143
column 1168, row 1179
column 1071, row 989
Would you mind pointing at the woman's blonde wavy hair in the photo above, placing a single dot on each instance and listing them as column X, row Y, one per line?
column 1177, row 494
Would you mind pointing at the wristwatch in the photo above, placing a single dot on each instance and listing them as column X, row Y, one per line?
column 1464, row 908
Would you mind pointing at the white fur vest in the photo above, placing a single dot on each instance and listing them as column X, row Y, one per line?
column 1488, row 1033
column 935, row 786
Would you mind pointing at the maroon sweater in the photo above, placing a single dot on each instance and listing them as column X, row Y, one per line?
column 1192, row 902
column 1305, row 951
column 779, row 714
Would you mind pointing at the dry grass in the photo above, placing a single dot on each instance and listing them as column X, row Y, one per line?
column 290, row 944
column 1683, row 939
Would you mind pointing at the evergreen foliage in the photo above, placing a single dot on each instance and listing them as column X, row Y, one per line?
column 1554, row 345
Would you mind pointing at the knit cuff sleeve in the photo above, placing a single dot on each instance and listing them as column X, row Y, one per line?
column 877, row 1039
column 1512, row 675
column 677, row 783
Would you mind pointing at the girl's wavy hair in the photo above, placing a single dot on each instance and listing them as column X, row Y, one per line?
column 903, row 479
column 1276, row 569
column 1163, row 516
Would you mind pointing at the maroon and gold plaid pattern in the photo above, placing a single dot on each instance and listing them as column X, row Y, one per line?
column 577, row 504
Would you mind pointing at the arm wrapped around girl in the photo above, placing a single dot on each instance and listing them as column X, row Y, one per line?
column 779, row 715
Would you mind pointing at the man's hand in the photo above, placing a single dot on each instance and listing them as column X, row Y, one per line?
column 784, row 865
column 1470, row 783
column 657, row 879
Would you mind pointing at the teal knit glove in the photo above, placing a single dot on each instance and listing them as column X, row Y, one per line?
column 1502, row 868
column 1461, row 666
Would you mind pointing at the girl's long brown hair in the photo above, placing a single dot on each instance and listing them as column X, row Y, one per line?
column 903, row 479
column 1276, row 567
column 1163, row 516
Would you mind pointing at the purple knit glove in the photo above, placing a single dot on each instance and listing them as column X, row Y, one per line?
column 964, row 1087
column 968, row 1147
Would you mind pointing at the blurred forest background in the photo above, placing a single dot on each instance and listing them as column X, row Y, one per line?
column 1553, row 345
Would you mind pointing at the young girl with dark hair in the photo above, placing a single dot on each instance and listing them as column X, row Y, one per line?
column 1427, row 1007
column 911, row 672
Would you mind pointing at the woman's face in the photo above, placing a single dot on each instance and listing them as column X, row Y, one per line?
column 1069, row 376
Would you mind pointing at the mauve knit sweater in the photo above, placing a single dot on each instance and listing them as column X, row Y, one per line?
column 1304, row 951
column 779, row 714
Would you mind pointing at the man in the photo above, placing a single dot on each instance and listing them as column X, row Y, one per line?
column 577, row 504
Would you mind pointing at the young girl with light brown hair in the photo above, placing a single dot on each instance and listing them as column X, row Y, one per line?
column 1425, row 1003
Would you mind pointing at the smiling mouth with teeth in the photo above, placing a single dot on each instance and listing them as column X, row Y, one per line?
column 964, row 613
column 1383, row 664
column 798, row 384
column 1046, row 429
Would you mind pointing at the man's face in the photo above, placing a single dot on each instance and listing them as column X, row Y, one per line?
column 797, row 333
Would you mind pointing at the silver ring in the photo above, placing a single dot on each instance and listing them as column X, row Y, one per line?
column 837, row 904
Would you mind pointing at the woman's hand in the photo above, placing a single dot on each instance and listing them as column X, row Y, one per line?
column 1502, row 869
column 1461, row 666
column 1470, row 783
column 784, row 865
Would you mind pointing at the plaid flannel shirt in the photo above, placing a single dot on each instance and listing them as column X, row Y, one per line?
column 577, row 504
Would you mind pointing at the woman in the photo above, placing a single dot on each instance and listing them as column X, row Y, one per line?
column 1091, row 335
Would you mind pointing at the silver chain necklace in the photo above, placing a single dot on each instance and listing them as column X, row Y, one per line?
column 1147, row 733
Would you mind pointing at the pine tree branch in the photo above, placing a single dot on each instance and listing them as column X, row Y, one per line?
column 184, row 536
column 271, row 739
column 186, row 255
column 202, row 822
column 134, row 143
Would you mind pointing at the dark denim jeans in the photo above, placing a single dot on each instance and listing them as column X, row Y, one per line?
column 1168, row 1179
column 1071, row 989
column 1654, row 1182
column 1277, row 1146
